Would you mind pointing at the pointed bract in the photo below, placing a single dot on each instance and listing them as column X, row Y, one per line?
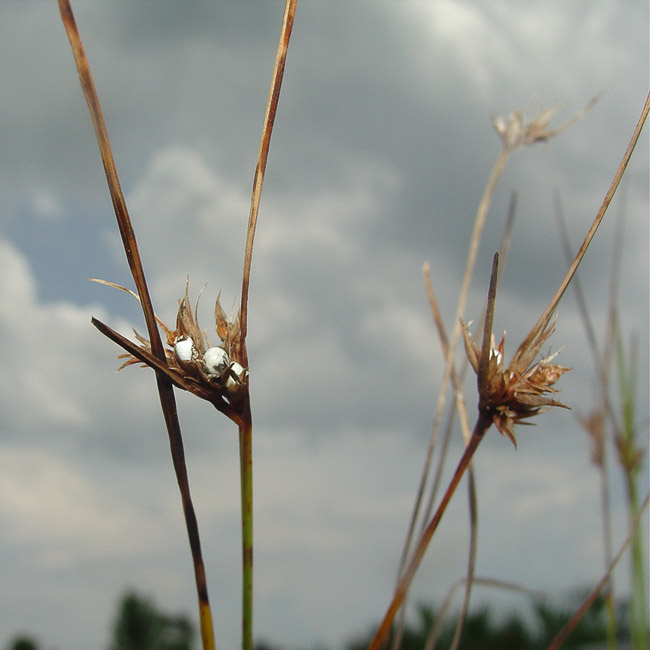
column 211, row 372
column 521, row 390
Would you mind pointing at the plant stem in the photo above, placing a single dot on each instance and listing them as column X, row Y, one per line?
column 449, row 351
column 545, row 318
column 262, row 159
column 246, row 477
column 482, row 425
column 564, row 633
column 164, row 384
column 638, row 597
column 629, row 458
column 246, row 422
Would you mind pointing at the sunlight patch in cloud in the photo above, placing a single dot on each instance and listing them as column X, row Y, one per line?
column 43, row 350
column 189, row 220
column 46, row 497
column 46, row 205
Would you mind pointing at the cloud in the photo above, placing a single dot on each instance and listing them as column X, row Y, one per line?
column 43, row 348
column 50, row 497
column 381, row 151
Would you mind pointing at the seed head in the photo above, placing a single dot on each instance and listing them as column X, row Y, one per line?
column 212, row 372
column 509, row 395
column 518, row 131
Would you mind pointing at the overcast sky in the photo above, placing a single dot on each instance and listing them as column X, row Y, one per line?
column 382, row 148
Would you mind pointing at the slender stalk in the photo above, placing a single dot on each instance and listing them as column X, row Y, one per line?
column 164, row 384
column 473, row 506
column 482, row 425
column 472, row 499
column 471, row 563
column 437, row 624
column 262, row 159
column 545, row 318
column 479, row 223
column 246, row 478
column 564, row 633
column 246, row 422
column 629, row 457
column 638, row 595
column 600, row 457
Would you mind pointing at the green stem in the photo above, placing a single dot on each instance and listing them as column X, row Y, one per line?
column 638, row 604
column 628, row 456
column 246, row 474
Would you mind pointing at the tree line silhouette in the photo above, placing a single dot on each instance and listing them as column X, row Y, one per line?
column 140, row 625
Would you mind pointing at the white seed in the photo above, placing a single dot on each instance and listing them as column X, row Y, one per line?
column 184, row 349
column 232, row 385
column 216, row 360
column 239, row 370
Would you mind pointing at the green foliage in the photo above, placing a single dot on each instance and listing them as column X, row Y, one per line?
column 590, row 629
column 140, row 626
column 630, row 456
column 23, row 643
column 485, row 631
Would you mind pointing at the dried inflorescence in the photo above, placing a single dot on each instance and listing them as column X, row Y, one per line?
column 518, row 131
column 594, row 425
column 630, row 456
column 507, row 396
column 211, row 372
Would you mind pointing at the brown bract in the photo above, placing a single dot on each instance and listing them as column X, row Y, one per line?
column 518, row 130
column 509, row 395
column 223, row 384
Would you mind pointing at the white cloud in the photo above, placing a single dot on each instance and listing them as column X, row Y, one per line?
column 189, row 220
column 46, row 496
column 43, row 347
column 55, row 363
column 47, row 205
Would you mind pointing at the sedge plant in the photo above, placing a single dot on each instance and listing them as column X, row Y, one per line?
column 516, row 132
column 508, row 395
column 219, row 373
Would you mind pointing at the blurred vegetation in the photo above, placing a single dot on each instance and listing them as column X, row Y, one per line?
column 139, row 625
column 486, row 630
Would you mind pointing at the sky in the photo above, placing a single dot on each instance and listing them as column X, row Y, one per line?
column 382, row 148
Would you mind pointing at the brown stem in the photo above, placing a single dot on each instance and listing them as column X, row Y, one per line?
column 589, row 600
column 117, row 196
column 246, row 479
column 479, row 223
column 245, row 424
column 487, row 330
column 482, row 425
column 262, row 158
column 163, row 381
column 548, row 312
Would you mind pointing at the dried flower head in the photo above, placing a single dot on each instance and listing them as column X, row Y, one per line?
column 510, row 395
column 594, row 425
column 213, row 372
column 630, row 456
column 518, row 131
